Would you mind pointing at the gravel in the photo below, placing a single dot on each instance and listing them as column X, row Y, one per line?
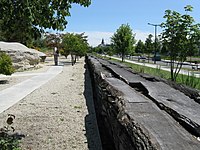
column 59, row 115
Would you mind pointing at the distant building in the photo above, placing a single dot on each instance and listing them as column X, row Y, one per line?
column 102, row 43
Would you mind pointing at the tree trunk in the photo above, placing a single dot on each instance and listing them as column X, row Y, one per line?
column 72, row 59
column 123, row 55
column 172, row 69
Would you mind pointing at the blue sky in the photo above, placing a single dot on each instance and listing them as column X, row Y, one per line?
column 103, row 17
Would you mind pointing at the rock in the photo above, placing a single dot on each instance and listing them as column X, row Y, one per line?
column 41, row 55
column 23, row 58
column 140, row 112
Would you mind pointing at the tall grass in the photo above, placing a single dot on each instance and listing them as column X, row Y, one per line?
column 189, row 80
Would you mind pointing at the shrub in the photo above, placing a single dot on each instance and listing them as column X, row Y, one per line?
column 9, row 141
column 6, row 67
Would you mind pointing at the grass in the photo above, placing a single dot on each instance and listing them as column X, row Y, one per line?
column 188, row 80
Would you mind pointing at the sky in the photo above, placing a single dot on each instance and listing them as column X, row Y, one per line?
column 103, row 17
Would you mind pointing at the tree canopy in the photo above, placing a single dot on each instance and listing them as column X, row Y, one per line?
column 140, row 47
column 123, row 40
column 21, row 20
column 75, row 44
column 149, row 45
column 179, row 34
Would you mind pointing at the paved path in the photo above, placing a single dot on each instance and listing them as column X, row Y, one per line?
column 166, row 68
column 12, row 95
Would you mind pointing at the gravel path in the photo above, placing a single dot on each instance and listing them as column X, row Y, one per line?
column 59, row 115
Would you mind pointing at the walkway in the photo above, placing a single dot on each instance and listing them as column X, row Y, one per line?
column 55, row 109
column 12, row 95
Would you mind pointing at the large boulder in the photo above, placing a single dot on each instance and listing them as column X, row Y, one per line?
column 23, row 58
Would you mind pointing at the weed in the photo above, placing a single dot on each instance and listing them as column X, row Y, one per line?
column 61, row 119
column 8, row 141
column 77, row 107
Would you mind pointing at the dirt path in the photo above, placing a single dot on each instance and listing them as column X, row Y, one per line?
column 59, row 115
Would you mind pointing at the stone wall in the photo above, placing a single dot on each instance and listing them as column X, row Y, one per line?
column 129, row 118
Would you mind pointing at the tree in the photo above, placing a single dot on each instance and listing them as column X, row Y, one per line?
column 109, row 49
column 194, row 41
column 179, row 33
column 6, row 67
column 53, row 40
column 158, row 44
column 123, row 40
column 75, row 44
column 140, row 47
column 23, row 20
column 149, row 45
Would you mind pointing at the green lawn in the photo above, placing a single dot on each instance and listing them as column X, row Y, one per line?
column 190, row 81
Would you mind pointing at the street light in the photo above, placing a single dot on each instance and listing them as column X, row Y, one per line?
column 155, row 25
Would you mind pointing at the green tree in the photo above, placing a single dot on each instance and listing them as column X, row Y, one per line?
column 109, row 49
column 75, row 44
column 179, row 33
column 158, row 44
column 123, row 40
column 22, row 20
column 6, row 67
column 140, row 47
column 149, row 45
column 193, row 48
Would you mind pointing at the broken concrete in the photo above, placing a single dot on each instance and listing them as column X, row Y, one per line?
column 142, row 112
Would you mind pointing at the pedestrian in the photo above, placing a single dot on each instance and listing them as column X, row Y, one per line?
column 56, row 54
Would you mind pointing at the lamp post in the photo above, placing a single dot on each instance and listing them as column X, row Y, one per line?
column 155, row 25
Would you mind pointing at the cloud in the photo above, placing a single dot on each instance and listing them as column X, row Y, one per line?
column 95, row 37
column 140, row 35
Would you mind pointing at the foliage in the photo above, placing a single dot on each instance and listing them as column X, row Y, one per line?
column 97, row 49
column 39, row 42
column 140, row 47
column 53, row 40
column 75, row 44
column 8, row 141
column 22, row 20
column 178, row 35
column 189, row 80
column 159, row 44
column 108, row 49
column 149, row 47
column 123, row 40
column 6, row 67
column 105, row 49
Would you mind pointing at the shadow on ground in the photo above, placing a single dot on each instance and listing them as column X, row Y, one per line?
column 4, row 81
column 92, row 133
